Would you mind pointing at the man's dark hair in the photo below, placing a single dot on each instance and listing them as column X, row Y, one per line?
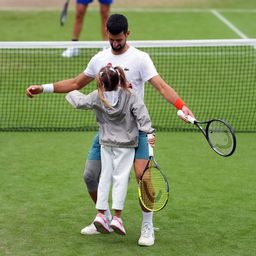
column 116, row 24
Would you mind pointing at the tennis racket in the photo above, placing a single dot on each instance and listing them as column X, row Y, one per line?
column 219, row 134
column 64, row 13
column 153, row 186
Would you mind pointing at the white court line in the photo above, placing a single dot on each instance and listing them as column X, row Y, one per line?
column 229, row 24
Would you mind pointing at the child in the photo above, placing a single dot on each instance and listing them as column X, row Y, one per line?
column 120, row 113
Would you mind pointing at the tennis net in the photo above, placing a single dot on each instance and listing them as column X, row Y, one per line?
column 217, row 78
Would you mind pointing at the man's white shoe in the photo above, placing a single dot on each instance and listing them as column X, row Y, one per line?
column 70, row 52
column 147, row 237
column 89, row 230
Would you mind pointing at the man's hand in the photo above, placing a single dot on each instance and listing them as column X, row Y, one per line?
column 187, row 112
column 32, row 90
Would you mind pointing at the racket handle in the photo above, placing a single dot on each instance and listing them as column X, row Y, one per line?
column 187, row 117
column 150, row 149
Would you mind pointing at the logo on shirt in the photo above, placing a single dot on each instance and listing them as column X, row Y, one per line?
column 126, row 69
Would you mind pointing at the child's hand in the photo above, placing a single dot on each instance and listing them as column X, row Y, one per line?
column 151, row 139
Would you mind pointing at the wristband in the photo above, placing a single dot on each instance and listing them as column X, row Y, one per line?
column 179, row 103
column 48, row 88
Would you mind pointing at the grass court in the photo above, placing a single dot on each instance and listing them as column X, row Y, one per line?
column 44, row 202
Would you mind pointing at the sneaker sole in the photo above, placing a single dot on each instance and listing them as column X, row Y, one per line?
column 100, row 228
column 117, row 230
column 146, row 245
column 85, row 233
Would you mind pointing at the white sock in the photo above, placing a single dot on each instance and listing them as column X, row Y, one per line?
column 147, row 217
column 108, row 214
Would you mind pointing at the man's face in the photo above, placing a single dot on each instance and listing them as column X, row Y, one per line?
column 118, row 42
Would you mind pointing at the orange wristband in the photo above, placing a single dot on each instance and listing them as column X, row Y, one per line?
column 179, row 103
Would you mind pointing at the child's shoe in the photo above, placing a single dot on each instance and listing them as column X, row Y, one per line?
column 118, row 226
column 101, row 224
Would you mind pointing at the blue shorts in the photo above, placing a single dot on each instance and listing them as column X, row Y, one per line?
column 90, row 1
column 141, row 152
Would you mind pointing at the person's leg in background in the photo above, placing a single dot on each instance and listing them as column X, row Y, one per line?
column 79, row 20
column 104, row 14
column 81, row 9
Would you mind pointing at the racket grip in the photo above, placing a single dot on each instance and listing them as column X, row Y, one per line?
column 187, row 117
column 150, row 149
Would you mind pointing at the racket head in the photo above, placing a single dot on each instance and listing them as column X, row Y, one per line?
column 221, row 137
column 153, row 187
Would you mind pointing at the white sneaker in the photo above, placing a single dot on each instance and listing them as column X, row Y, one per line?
column 70, row 52
column 101, row 224
column 117, row 225
column 89, row 230
column 147, row 237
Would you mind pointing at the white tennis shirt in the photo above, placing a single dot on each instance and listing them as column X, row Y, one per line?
column 137, row 65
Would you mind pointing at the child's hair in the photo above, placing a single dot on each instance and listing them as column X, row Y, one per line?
column 109, row 79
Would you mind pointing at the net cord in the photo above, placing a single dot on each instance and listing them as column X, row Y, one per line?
column 100, row 44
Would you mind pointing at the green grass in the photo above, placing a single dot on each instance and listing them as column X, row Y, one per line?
column 177, row 26
column 44, row 26
column 44, row 202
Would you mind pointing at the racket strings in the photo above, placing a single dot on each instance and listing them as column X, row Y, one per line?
column 153, row 189
column 220, row 137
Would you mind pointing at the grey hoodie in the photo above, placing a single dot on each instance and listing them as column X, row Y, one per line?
column 119, row 127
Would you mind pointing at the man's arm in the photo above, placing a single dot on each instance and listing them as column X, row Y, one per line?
column 168, row 93
column 63, row 86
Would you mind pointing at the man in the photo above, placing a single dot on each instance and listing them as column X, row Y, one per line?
column 138, row 68
column 81, row 8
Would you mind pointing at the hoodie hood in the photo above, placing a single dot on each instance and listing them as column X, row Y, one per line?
column 118, row 111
